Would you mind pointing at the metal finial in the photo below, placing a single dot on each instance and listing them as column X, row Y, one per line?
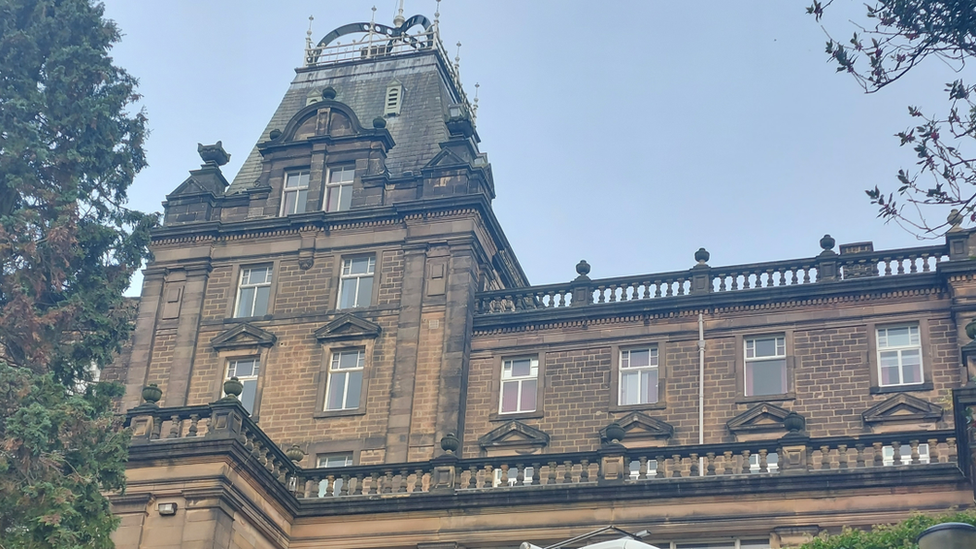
column 474, row 108
column 309, row 32
column 308, row 42
column 399, row 19
column 457, row 58
column 372, row 18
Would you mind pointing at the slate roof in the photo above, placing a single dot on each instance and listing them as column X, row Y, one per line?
column 417, row 130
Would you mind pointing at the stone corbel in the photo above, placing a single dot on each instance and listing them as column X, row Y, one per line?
column 306, row 253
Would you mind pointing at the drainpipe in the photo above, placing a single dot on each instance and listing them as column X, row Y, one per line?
column 701, row 381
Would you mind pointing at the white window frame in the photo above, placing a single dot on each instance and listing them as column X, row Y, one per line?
column 299, row 191
column 749, row 348
column 244, row 283
column 347, row 274
column 347, row 373
column 343, row 187
column 527, row 473
column 641, row 371
column 914, row 332
column 232, row 371
column 337, row 484
column 508, row 377
column 888, row 454
column 772, row 462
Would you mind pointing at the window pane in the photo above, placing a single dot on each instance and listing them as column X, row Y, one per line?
column 361, row 265
column 521, row 367
column 247, row 397
column 640, row 358
column 911, row 362
column 767, row 377
column 289, row 203
column 246, row 303
column 347, row 293
column 766, row 347
column 354, row 389
column 302, row 201
column 889, row 376
column 259, row 275
column 629, row 388
column 649, row 386
column 365, row 294
column 332, row 200
column 244, row 368
column 510, row 396
column 261, row 300
column 898, row 337
column 345, row 197
column 527, row 402
column 337, row 385
column 347, row 359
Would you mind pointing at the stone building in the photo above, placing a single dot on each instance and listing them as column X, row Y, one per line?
column 340, row 349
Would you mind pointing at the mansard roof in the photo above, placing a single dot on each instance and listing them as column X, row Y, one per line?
column 418, row 130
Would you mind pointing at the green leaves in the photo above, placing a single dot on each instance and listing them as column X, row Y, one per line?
column 886, row 536
column 69, row 149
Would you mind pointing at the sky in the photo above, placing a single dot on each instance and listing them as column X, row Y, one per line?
column 628, row 134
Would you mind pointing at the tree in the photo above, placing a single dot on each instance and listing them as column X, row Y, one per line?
column 886, row 536
column 68, row 246
column 900, row 36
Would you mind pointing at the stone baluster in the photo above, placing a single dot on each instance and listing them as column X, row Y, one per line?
column 878, row 454
column 710, row 467
column 551, row 473
column 933, row 450
column 727, row 462
column 842, row 455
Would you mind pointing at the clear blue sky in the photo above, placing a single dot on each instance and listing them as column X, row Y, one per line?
column 626, row 133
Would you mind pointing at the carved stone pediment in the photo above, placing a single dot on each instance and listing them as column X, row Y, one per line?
column 762, row 421
column 347, row 326
column 642, row 430
column 514, row 437
column 243, row 336
column 446, row 158
column 902, row 408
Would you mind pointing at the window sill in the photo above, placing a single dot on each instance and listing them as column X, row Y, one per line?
column 659, row 405
column 339, row 413
column 927, row 386
column 247, row 319
column 764, row 398
column 497, row 416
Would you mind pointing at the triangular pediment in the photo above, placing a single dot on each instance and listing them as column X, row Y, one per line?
column 446, row 157
column 243, row 336
column 514, row 434
column 902, row 407
column 638, row 426
column 347, row 326
column 762, row 417
column 189, row 187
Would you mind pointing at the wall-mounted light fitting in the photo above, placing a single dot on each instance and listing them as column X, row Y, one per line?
column 166, row 509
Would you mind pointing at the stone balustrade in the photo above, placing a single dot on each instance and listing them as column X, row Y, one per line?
column 702, row 279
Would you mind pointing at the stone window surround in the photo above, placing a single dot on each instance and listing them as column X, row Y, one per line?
column 279, row 172
column 262, row 353
column 377, row 254
column 308, row 188
column 236, row 277
column 325, row 448
column 874, row 365
column 322, row 376
column 662, row 375
column 740, row 367
column 496, row 385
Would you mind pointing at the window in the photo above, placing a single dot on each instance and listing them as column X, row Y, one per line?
column 356, row 282
column 246, row 371
column 338, row 190
column 345, row 379
column 899, row 355
column 772, row 463
column 332, row 460
column 295, row 194
column 638, row 376
column 905, row 452
column 765, row 364
column 253, row 291
column 520, row 378
column 635, row 469
column 513, row 476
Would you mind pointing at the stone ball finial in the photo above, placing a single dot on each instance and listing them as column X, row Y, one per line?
column 615, row 433
column 329, row 93
column 794, row 422
column 701, row 256
column 295, row 453
column 582, row 268
column 827, row 242
column 233, row 387
column 379, row 122
column 954, row 218
column 151, row 394
column 274, row 134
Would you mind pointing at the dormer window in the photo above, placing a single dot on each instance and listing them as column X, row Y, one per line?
column 394, row 95
column 338, row 196
column 295, row 193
